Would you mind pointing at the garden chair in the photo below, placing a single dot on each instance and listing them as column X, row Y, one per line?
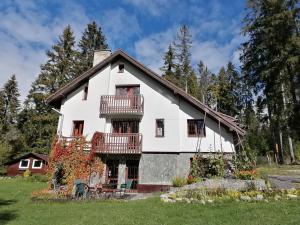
column 126, row 186
column 81, row 189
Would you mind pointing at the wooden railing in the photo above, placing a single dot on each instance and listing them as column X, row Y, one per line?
column 116, row 143
column 118, row 104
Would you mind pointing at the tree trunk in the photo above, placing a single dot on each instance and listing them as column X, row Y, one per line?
column 291, row 149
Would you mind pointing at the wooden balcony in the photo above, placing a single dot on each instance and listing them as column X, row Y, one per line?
column 122, row 105
column 117, row 143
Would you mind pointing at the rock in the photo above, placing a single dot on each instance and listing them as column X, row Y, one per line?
column 210, row 201
column 259, row 197
column 277, row 197
column 178, row 199
column 202, row 202
column 291, row 196
column 245, row 198
column 164, row 196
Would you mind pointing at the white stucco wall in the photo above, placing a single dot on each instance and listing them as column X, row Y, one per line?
column 159, row 103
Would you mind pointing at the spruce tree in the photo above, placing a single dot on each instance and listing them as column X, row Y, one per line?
column 9, row 103
column 271, row 58
column 92, row 39
column 204, row 82
column 169, row 66
column 37, row 120
column 182, row 46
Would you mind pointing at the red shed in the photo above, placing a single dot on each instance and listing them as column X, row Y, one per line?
column 36, row 163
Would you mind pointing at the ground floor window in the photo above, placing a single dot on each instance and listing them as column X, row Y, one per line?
column 78, row 127
column 37, row 164
column 196, row 128
column 160, row 128
column 24, row 164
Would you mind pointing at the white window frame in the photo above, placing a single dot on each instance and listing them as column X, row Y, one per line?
column 33, row 167
column 26, row 167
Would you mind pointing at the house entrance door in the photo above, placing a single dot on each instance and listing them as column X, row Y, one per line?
column 112, row 168
column 132, row 172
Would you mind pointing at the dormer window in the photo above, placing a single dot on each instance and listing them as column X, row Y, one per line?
column 85, row 93
column 121, row 68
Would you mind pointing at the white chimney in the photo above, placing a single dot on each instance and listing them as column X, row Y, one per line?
column 100, row 55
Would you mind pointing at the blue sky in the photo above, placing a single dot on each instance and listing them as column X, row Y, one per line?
column 143, row 28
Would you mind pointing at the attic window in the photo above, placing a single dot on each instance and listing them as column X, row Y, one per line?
column 85, row 93
column 121, row 68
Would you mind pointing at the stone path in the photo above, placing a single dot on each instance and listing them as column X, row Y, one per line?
column 284, row 182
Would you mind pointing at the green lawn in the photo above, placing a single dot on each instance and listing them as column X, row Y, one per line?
column 17, row 208
column 287, row 170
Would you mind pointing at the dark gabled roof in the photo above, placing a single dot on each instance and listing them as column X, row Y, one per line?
column 56, row 98
column 37, row 155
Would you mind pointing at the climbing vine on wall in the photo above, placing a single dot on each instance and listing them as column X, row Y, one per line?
column 73, row 160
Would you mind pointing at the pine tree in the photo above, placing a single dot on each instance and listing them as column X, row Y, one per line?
column 9, row 103
column 271, row 60
column 91, row 40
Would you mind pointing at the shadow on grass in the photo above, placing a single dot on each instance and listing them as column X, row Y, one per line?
column 7, row 215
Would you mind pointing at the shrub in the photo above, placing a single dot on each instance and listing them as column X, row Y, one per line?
column 216, row 166
column 38, row 178
column 207, row 167
column 246, row 174
column 245, row 159
column 190, row 179
column 27, row 173
column 178, row 181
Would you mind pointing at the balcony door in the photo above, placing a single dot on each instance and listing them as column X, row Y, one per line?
column 130, row 129
column 131, row 93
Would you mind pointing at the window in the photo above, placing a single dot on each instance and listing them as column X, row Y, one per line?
column 78, row 128
column 196, row 128
column 85, row 93
column 37, row 164
column 121, row 68
column 24, row 164
column 160, row 128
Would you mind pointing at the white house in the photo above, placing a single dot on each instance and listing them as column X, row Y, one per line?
column 148, row 129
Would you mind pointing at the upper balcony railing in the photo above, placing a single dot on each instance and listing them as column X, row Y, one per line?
column 119, row 104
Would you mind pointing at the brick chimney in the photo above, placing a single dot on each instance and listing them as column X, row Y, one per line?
column 100, row 55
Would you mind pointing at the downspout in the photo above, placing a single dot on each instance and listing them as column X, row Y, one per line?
column 61, row 119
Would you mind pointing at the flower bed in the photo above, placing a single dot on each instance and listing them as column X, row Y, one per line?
column 203, row 195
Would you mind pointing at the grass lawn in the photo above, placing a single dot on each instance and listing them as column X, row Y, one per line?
column 17, row 208
column 288, row 170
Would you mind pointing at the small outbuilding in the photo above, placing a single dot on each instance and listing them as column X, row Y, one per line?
column 34, row 162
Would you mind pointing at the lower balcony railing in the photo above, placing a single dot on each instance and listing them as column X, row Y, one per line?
column 118, row 143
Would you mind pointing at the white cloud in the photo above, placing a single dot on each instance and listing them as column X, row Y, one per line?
column 26, row 31
column 154, row 7
column 119, row 25
column 150, row 50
